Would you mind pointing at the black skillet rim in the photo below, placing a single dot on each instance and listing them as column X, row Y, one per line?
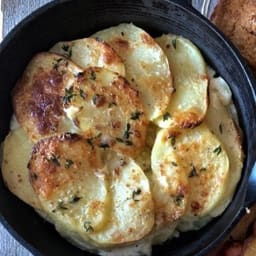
column 246, row 72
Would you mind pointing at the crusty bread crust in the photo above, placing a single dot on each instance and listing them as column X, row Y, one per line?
column 237, row 20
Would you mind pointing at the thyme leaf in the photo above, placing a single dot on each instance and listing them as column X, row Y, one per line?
column 135, row 193
column 217, row 150
column 166, row 116
column 193, row 172
column 88, row 226
column 136, row 115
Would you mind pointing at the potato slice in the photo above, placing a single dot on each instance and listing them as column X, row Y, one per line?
column 133, row 211
column 36, row 97
column 89, row 52
column 99, row 196
column 201, row 156
column 16, row 152
column 169, row 181
column 221, row 122
column 104, row 107
column 146, row 65
column 70, row 181
column 189, row 103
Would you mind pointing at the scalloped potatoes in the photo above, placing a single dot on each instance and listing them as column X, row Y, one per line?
column 107, row 153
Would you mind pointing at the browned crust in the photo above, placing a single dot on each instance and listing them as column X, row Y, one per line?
column 47, row 166
column 128, row 101
column 36, row 97
column 237, row 19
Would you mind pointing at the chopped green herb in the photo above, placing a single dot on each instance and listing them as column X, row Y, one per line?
column 126, row 142
column 111, row 104
column 69, row 94
column 82, row 94
column 174, row 43
column 135, row 193
column 56, row 63
column 127, row 131
column 104, row 145
column 217, row 150
column 79, row 74
column 90, row 140
column 174, row 163
column 136, row 115
column 93, row 75
column 220, row 128
column 166, row 116
column 61, row 206
column 193, row 172
column 68, row 163
column 54, row 159
column 75, row 199
column 88, row 227
column 203, row 169
column 178, row 199
column 172, row 139
column 68, row 49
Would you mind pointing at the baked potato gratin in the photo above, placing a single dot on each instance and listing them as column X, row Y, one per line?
column 122, row 141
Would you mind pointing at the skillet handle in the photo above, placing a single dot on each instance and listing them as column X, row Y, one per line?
column 250, row 197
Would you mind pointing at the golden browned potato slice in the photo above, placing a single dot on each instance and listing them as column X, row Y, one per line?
column 16, row 152
column 89, row 194
column 221, row 120
column 104, row 107
column 36, row 97
column 89, row 52
column 201, row 156
column 146, row 65
column 189, row 103
column 70, row 181
column 169, row 181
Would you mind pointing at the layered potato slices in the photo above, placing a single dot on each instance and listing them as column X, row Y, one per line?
column 146, row 65
column 122, row 140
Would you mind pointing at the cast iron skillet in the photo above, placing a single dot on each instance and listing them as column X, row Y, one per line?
column 71, row 19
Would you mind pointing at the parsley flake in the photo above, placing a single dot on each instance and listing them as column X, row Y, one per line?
column 178, row 199
column 135, row 193
column 220, row 128
column 127, row 131
column 166, row 116
column 67, row 49
column 68, row 163
column 174, row 43
column 174, row 164
column 136, row 115
column 75, row 199
column 69, row 94
column 88, row 227
column 93, row 75
column 217, row 150
column 193, row 172
column 54, row 159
